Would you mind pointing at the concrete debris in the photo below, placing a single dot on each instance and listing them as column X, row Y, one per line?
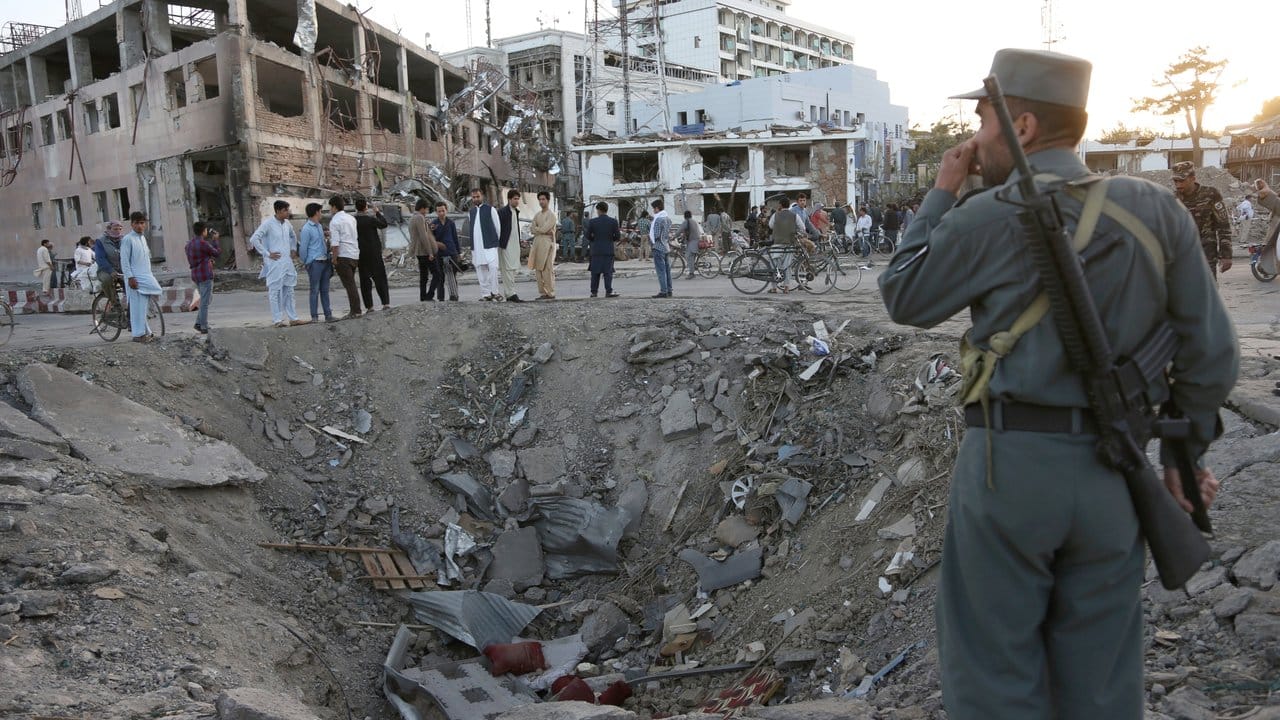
column 16, row 425
column 797, row 621
column 602, row 628
column 458, row 690
column 569, row 711
column 544, row 464
column 362, row 421
column 1259, row 567
column 86, row 574
column 464, row 449
column 872, row 499
column 478, row 499
column 114, row 432
column 791, row 660
column 1203, row 582
column 904, row 528
column 543, row 354
column 476, row 618
column 1236, row 602
column 254, row 704
column 735, row 530
column 911, row 472
column 901, row 558
column 679, row 419
column 562, row 655
column 792, row 497
column 578, row 537
column 713, row 575
column 517, row 557
column 502, row 463
column 649, row 356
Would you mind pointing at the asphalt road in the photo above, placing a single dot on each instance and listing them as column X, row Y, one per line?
column 1254, row 306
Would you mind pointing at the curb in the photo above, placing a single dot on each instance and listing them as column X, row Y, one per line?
column 71, row 301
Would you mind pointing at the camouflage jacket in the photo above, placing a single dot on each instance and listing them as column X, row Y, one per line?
column 1210, row 214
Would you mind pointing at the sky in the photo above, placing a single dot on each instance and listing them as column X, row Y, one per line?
column 929, row 49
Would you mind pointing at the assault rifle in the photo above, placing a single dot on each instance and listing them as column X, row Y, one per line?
column 1116, row 389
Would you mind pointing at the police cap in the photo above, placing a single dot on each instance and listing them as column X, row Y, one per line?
column 1041, row 76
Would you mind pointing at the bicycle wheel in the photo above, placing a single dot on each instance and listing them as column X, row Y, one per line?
column 676, row 260
column 885, row 246
column 6, row 322
column 726, row 260
column 108, row 317
column 707, row 264
column 813, row 274
column 847, row 276
column 155, row 316
column 751, row 273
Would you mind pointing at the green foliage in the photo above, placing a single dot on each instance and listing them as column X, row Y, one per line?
column 932, row 143
column 1121, row 134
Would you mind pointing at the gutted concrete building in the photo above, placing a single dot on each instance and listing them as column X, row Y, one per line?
column 212, row 110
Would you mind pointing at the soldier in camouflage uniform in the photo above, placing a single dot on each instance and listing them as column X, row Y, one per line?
column 1210, row 213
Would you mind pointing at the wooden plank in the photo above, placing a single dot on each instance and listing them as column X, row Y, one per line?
column 408, row 571
column 371, row 565
column 389, row 569
column 398, row 577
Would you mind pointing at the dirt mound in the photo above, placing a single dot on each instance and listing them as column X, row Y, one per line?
column 805, row 449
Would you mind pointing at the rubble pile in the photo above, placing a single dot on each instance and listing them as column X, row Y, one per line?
column 669, row 509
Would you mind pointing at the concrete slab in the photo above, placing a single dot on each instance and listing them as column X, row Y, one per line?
column 115, row 432
column 517, row 556
column 543, row 464
column 246, row 346
column 15, row 424
column 678, row 418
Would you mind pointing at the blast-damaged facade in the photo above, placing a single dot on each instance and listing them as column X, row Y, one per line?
column 213, row 111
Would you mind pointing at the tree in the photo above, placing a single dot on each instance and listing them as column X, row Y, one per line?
column 1192, row 82
column 1121, row 134
column 1270, row 109
column 932, row 143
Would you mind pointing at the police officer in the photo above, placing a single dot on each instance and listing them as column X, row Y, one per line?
column 1039, row 605
column 1210, row 213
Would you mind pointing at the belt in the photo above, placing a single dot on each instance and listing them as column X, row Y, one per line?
column 1023, row 417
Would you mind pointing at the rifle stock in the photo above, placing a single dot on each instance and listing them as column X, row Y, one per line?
column 1176, row 545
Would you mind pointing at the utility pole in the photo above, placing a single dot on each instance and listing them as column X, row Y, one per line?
column 488, row 27
column 626, row 70
column 662, row 68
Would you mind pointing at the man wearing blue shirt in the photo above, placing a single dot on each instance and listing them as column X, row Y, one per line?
column 314, row 251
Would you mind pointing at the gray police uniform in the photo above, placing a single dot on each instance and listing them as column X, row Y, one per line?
column 1039, row 606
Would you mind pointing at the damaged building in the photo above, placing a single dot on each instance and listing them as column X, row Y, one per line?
column 733, row 172
column 212, row 110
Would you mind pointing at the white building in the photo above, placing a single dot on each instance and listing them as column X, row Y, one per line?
column 839, row 98
column 735, row 172
column 737, row 39
column 1137, row 156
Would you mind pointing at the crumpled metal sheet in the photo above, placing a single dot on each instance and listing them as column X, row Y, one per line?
column 457, row 543
column 578, row 537
column 461, row 690
column 478, row 619
column 308, row 27
column 424, row 554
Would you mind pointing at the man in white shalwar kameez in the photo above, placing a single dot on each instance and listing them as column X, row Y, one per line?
column 483, row 226
column 140, row 283
column 277, row 243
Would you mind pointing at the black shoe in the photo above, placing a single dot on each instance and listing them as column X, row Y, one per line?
column 514, row 298
column 593, row 294
column 612, row 295
column 453, row 298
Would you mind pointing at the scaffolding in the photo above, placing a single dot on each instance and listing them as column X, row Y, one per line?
column 192, row 17
column 17, row 35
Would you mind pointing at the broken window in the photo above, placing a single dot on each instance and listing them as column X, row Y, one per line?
column 633, row 167
column 138, row 99
column 280, row 88
column 28, row 136
column 91, row 117
column 37, row 211
column 610, row 108
column 175, row 84
column 121, row 197
column 682, row 117
column 387, row 68
column 342, row 108
column 100, row 206
column 467, row 142
column 386, row 116
column 110, row 115
column 334, row 32
column 59, row 213
column 46, row 130
column 276, row 24
column 787, row 161
column 205, row 76
column 723, row 163
column 104, row 50
column 64, row 124
column 422, row 78
column 74, row 217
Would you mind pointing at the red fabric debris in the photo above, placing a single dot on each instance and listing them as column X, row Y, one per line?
column 616, row 694
column 515, row 658
column 575, row 689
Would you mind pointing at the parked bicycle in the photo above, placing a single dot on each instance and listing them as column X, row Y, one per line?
column 876, row 241
column 110, row 312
